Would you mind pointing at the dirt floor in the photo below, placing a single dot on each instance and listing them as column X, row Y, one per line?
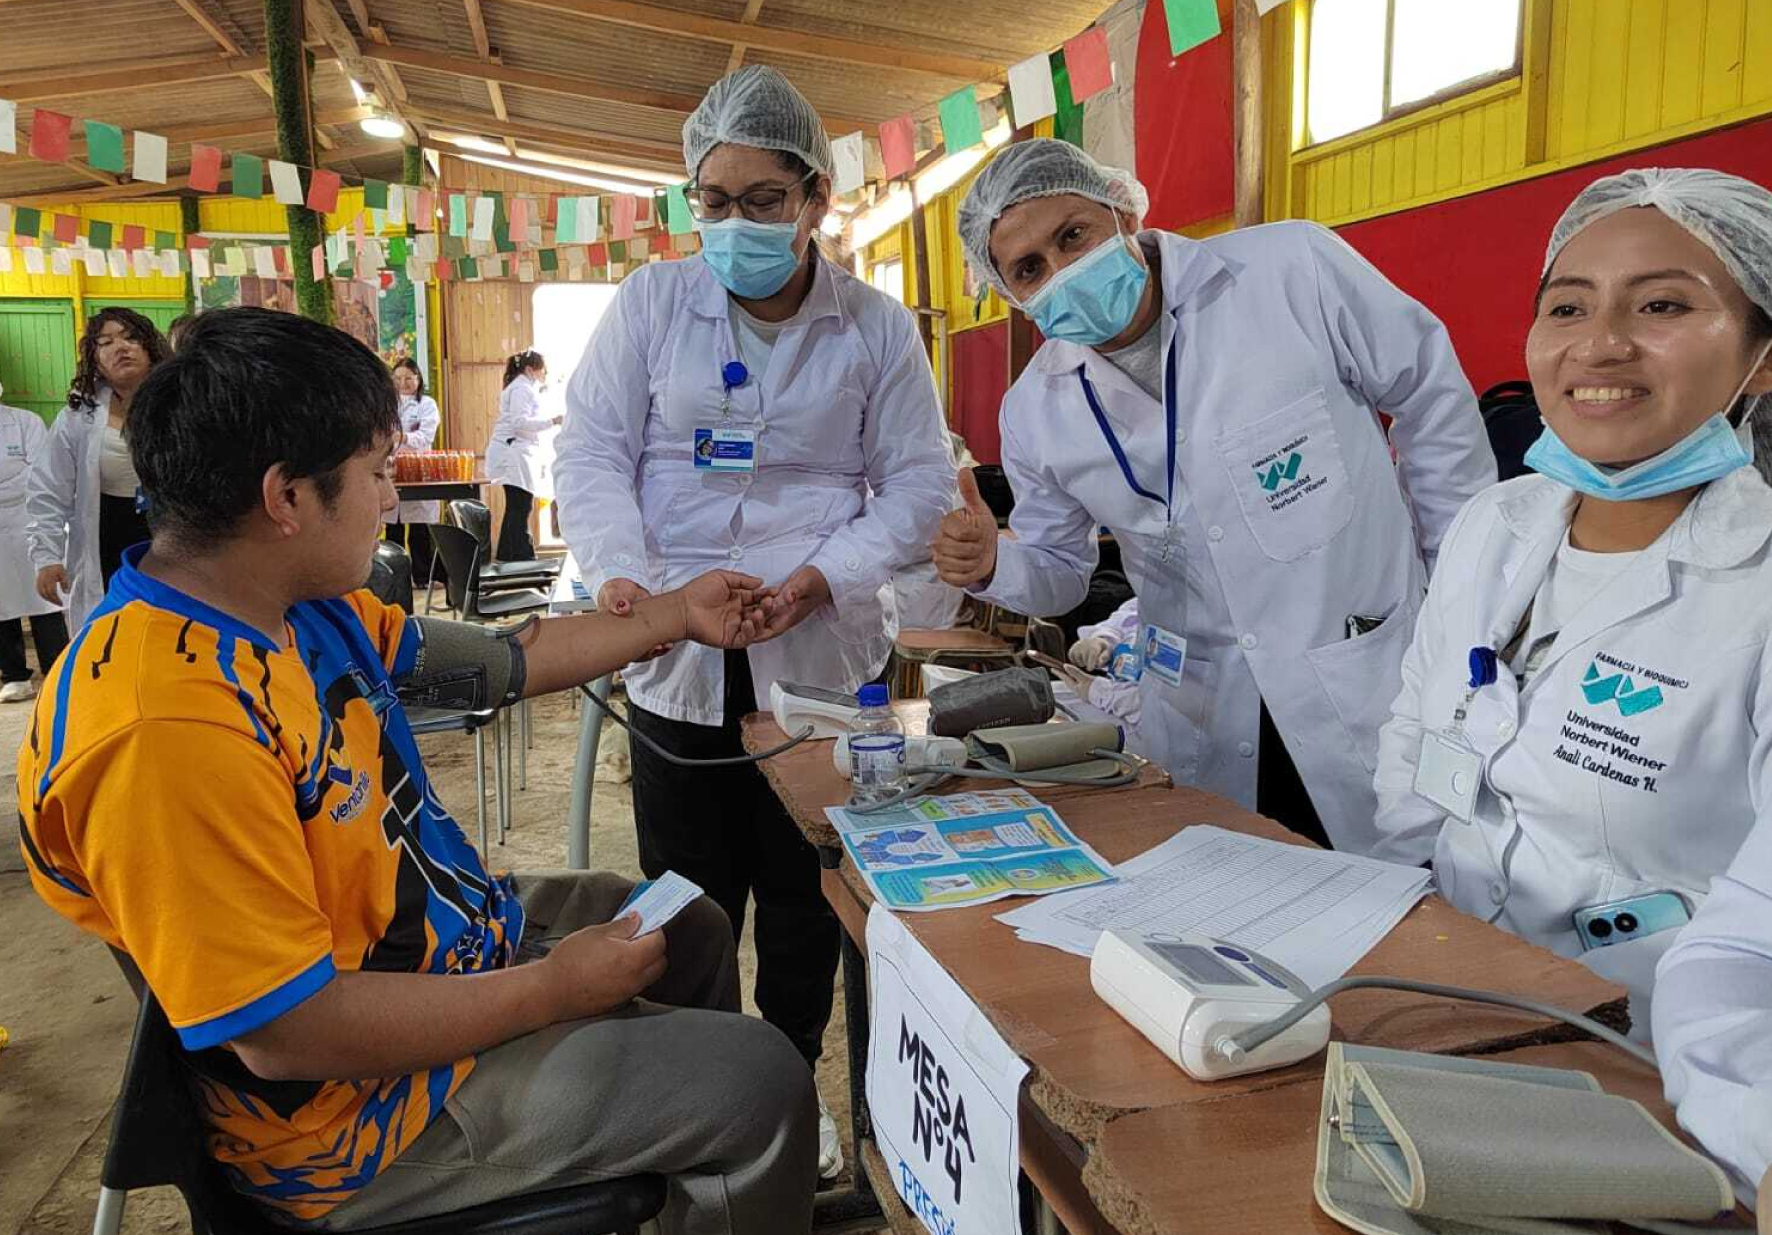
column 69, row 1013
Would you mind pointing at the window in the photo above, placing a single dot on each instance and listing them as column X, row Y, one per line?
column 888, row 277
column 1372, row 59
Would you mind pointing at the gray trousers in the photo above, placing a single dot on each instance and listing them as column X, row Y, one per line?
column 677, row 1083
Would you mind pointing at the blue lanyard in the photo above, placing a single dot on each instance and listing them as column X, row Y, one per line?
column 1107, row 431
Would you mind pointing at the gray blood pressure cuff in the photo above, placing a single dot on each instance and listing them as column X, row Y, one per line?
column 464, row 667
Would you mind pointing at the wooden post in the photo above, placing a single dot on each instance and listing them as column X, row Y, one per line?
column 191, row 220
column 920, row 259
column 1021, row 328
column 285, row 28
column 1250, row 132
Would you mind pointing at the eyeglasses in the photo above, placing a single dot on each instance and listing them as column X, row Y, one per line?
column 759, row 205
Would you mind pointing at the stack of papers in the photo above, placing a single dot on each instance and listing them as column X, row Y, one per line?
column 938, row 853
column 1314, row 911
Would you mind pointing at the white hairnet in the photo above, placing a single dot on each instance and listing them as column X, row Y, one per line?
column 1731, row 216
column 756, row 106
column 1041, row 167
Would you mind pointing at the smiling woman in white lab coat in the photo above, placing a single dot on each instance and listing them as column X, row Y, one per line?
column 22, row 441
column 1214, row 404
column 758, row 408
column 1584, row 732
column 82, row 495
column 420, row 420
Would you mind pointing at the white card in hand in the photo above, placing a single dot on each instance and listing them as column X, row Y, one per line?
column 658, row 901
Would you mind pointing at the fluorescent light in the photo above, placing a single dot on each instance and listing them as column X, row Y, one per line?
column 945, row 173
column 357, row 90
column 609, row 169
column 872, row 224
column 552, row 173
column 380, row 125
column 464, row 142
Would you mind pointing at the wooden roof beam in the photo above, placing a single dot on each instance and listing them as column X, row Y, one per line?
column 495, row 93
column 751, row 10
column 773, row 38
column 325, row 22
column 570, row 86
column 121, row 76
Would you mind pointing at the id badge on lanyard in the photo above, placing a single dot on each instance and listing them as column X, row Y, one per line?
column 726, row 448
column 1448, row 771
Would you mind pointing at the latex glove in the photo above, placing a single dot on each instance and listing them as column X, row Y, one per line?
column 1093, row 653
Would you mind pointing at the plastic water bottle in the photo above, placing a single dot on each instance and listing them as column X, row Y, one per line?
column 876, row 750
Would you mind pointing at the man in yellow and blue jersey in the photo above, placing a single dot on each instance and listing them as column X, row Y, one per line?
column 220, row 781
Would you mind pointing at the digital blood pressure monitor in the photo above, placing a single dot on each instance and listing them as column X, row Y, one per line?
column 830, row 713
column 1192, row 995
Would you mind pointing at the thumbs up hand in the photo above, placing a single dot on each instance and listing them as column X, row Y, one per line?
column 965, row 548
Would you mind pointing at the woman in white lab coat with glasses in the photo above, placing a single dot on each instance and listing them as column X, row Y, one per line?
column 1583, row 738
column 758, row 408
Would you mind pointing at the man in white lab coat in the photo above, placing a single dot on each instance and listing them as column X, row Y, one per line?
column 1215, row 405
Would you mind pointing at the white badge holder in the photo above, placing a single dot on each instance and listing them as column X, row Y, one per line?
column 1448, row 773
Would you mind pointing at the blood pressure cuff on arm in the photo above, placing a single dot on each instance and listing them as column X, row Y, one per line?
column 464, row 667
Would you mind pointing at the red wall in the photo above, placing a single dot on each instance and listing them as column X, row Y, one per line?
column 1475, row 260
column 981, row 378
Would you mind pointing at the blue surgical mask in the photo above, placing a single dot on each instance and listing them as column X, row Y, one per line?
column 1093, row 299
column 751, row 260
column 1714, row 449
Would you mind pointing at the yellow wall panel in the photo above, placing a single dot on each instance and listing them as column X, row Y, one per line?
column 1616, row 76
column 1384, row 165
column 1724, row 30
column 1361, row 171
column 1642, row 66
column 1682, row 62
column 1756, row 57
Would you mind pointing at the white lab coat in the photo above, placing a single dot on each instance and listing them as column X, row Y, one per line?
column 419, row 422
column 1657, row 799
column 22, row 443
column 1287, row 343
column 513, row 453
column 62, row 504
column 854, row 472
column 1713, row 1015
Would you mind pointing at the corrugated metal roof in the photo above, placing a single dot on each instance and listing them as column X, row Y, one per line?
column 34, row 41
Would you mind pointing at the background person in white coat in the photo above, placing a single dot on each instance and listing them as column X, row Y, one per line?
column 1214, row 403
column 833, row 471
column 513, row 453
column 82, row 494
column 1614, row 611
column 22, row 442
column 419, row 422
column 1713, row 1022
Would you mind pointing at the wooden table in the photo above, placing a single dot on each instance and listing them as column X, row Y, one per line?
column 1088, row 1067
column 440, row 490
column 1191, row 1169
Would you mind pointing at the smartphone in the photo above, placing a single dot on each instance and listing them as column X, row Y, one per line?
column 1048, row 662
column 1635, row 917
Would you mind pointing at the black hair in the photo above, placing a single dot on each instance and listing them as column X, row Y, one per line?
column 407, row 362
column 521, row 361
column 87, row 375
column 175, row 330
column 248, row 390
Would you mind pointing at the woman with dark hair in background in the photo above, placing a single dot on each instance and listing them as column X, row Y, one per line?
column 419, row 422
column 82, row 494
column 511, row 455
